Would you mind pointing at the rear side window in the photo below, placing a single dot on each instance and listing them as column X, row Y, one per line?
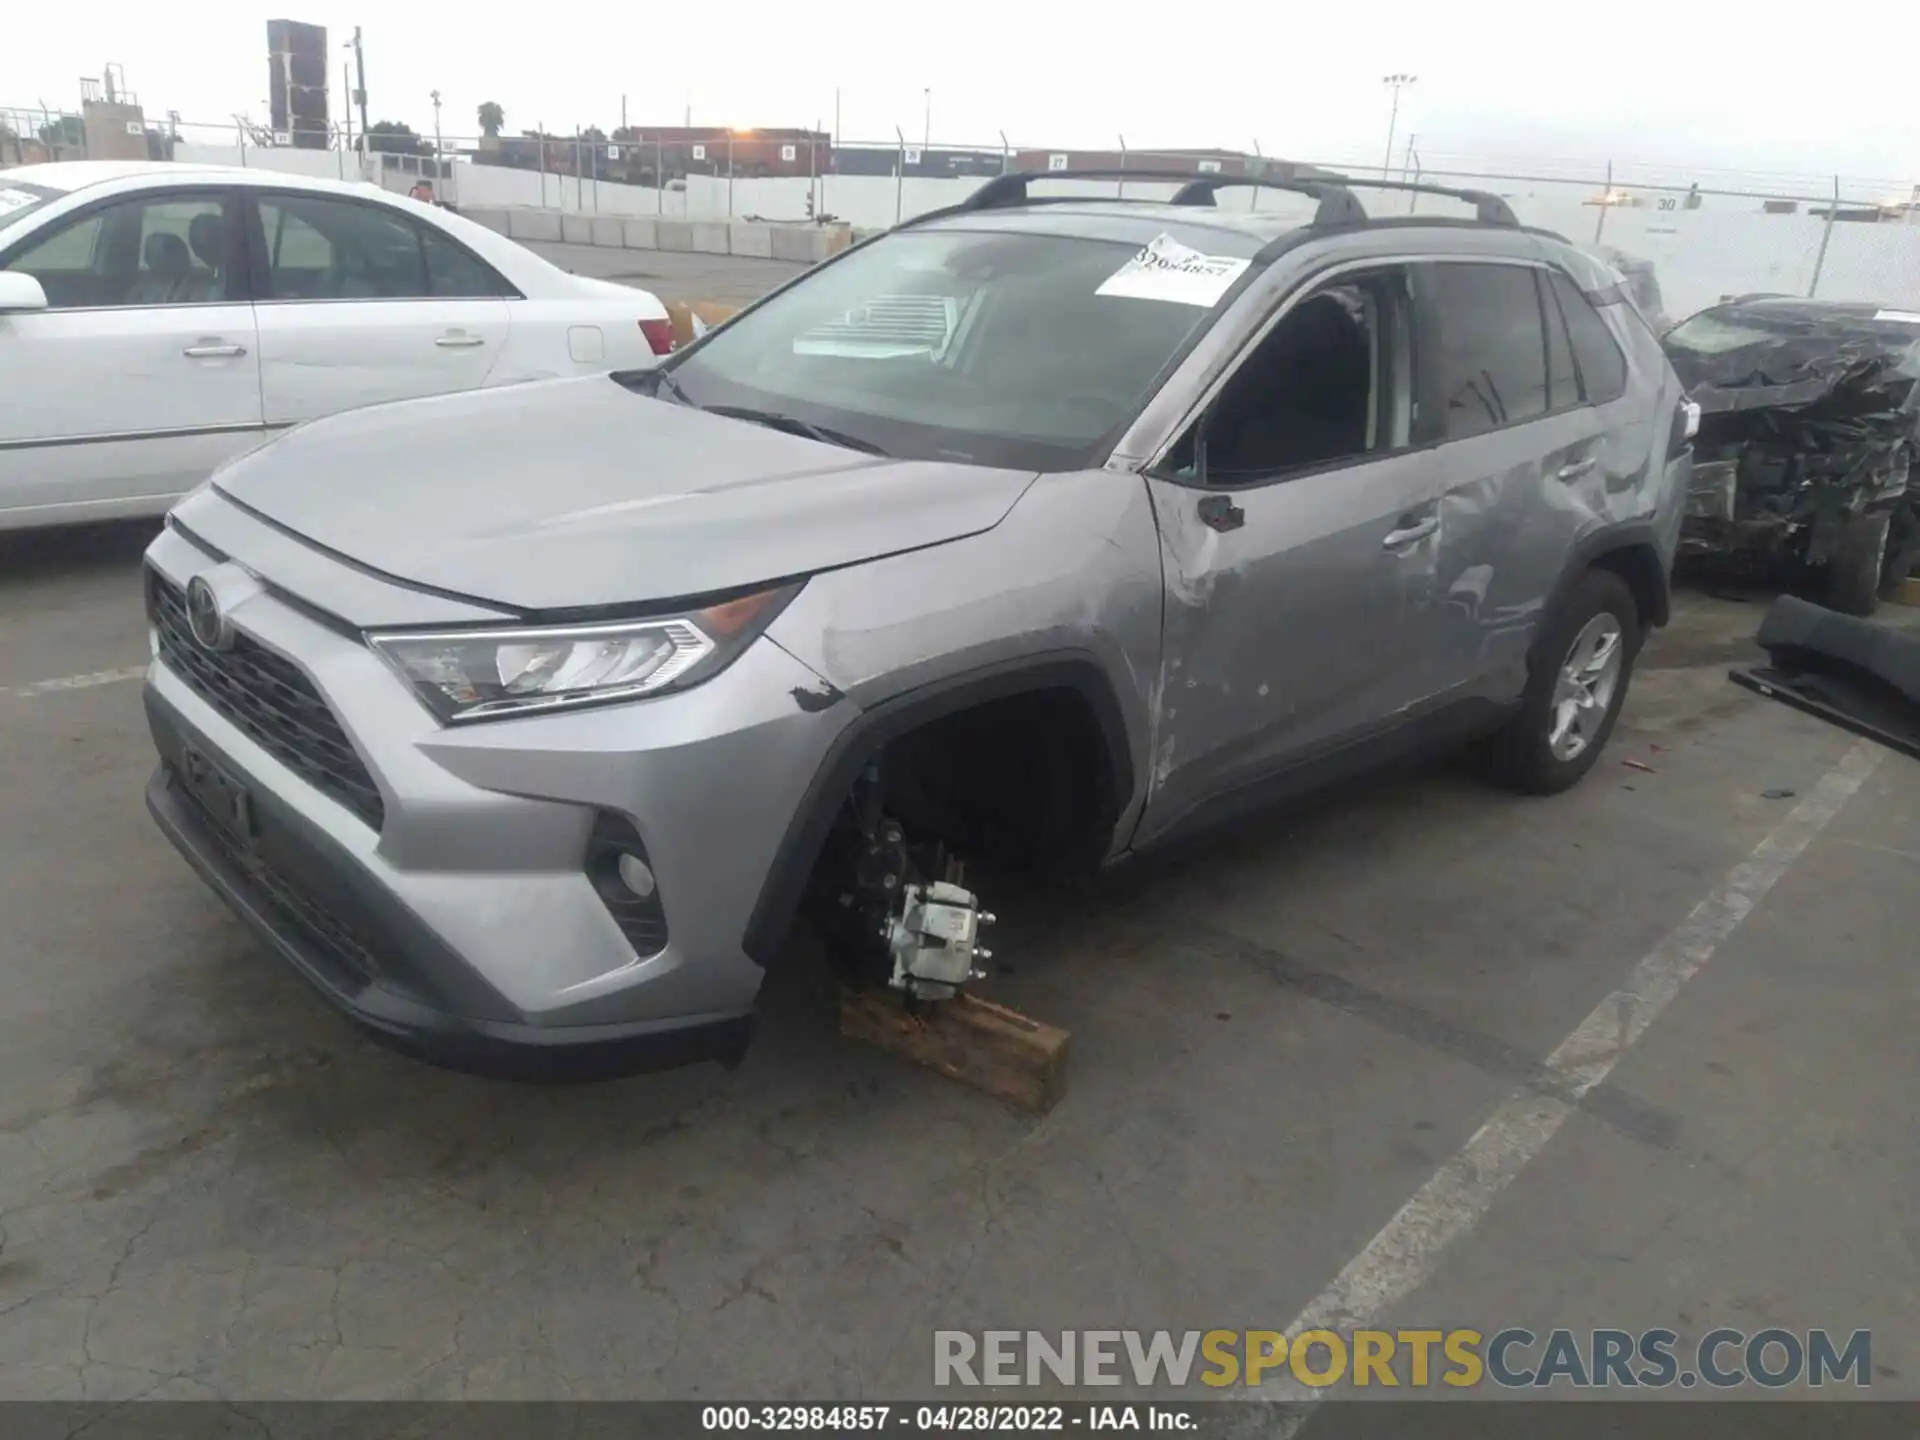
column 1563, row 381
column 455, row 273
column 1603, row 369
column 321, row 248
column 1482, row 356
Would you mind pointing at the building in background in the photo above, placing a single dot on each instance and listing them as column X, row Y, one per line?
column 1199, row 162
column 297, row 84
column 938, row 161
column 112, row 123
column 646, row 154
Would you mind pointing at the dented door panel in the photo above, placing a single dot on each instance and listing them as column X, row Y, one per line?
column 1290, row 632
column 1508, row 522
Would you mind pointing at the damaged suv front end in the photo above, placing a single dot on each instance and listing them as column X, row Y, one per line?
column 1808, row 425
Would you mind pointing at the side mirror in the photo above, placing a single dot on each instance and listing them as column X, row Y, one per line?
column 19, row 291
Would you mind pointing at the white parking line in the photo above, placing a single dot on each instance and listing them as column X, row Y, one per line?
column 1406, row 1252
column 74, row 682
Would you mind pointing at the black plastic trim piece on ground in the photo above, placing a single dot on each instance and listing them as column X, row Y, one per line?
column 1861, row 675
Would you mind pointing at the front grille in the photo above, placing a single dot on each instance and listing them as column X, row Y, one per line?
column 331, row 942
column 270, row 699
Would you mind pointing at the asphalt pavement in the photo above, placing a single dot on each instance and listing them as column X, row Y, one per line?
column 1324, row 1065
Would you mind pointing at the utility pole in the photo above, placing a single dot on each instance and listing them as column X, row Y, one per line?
column 1397, row 81
column 359, row 95
column 346, row 90
column 439, row 150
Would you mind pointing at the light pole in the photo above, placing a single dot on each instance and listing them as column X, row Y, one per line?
column 1397, row 81
column 357, row 96
column 439, row 154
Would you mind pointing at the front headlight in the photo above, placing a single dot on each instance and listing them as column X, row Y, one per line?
column 478, row 674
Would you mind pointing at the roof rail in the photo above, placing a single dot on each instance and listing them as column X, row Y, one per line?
column 1337, row 205
column 1488, row 208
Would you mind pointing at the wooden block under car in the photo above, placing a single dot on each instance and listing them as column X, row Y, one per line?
column 1008, row 1055
column 1907, row 592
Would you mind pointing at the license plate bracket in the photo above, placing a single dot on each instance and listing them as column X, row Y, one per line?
column 224, row 798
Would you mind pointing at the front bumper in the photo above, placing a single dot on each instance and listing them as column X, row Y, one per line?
column 464, row 928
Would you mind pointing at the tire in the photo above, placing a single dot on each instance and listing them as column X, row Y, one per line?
column 1903, row 549
column 1535, row 752
column 1853, row 569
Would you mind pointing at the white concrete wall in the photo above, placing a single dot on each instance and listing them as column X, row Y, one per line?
column 325, row 164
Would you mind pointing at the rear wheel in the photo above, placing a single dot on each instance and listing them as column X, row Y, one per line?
column 1853, row 569
column 1575, row 686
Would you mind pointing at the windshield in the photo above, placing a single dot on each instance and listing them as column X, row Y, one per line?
column 1709, row 333
column 999, row 349
column 18, row 200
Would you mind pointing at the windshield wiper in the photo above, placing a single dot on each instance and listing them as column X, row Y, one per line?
column 793, row 425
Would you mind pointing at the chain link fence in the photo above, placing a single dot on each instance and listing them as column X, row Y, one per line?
column 1708, row 235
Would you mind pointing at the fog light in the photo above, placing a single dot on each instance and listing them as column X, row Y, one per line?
column 617, row 867
column 635, row 875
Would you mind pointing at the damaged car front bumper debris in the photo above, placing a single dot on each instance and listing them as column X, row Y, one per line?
column 1808, row 426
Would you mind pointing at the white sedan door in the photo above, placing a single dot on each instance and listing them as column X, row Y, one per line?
column 361, row 303
column 142, row 374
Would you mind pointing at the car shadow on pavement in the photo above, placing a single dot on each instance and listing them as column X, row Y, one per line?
column 73, row 552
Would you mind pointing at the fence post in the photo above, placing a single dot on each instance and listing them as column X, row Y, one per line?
column 899, row 175
column 1006, row 152
column 1120, row 188
column 1259, row 174
column 1606, row 202
column 540, row 129
column 659, row 176
column 1826, row 234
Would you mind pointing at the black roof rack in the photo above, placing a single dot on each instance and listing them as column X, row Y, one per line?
column 1337, row 203
column 1488, row 208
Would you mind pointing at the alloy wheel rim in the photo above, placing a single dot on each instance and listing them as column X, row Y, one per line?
column 1584, row 689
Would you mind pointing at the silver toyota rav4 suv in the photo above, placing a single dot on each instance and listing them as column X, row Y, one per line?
column 1036, row 532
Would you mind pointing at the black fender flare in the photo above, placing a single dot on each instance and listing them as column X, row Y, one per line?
column 1637, row 544
column 871, row 729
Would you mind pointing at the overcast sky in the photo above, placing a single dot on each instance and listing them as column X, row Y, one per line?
column 1689, row 87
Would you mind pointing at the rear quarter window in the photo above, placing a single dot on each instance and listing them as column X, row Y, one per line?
column 1603, row 369
column 1481, row 352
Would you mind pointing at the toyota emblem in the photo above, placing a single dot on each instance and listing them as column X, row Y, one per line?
column 205, row 618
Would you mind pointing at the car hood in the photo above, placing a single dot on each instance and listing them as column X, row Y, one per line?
column 579, row 493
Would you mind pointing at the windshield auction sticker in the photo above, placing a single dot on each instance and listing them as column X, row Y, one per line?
column 1164, row 269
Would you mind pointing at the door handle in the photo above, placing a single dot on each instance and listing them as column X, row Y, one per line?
column 458, row 341
column 1218, row 512
column 1407, row 534
column 213, row 352
column 1578, row 468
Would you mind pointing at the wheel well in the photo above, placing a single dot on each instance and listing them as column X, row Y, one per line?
column 1022, row 781
column 1049, row 724
column 1638, row 564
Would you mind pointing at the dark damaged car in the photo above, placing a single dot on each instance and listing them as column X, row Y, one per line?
column 1807, row 431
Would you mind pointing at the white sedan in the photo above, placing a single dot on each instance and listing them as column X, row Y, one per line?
column 156, row 319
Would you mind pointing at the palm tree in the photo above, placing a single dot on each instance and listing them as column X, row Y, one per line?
column 492, row 117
